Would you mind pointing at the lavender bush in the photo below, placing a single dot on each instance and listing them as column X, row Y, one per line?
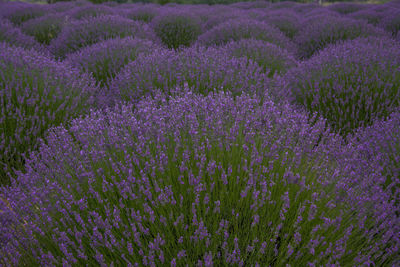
column 88, row 11
column 391, row 21
column 285, row 20
column 14, row 36
column 350, row 84
column 45, row 28
column 198, row 180
column 177, row 29
column 380, row 144
column 21, row 12
column 319, row 31
column 347, row 8
column 202, row 69
column 272, row 59
column 78, row 34
column 234, row 30
column 144, row 13
column 105, row 59
column 36, row 93
column 224, row 152
column 371, row 15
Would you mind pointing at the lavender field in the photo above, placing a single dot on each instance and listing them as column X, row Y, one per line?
column 249, row 134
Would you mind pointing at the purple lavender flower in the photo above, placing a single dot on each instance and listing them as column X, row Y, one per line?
column 177, row 29
column 14, row 36
column 272, row 59
column 36, row 93
column 234, row 30
column 105, row 59
column 202, row 69
column 319, row 31
column 97, row 155
column 78, row 34
column 349, row 84
column 346, row 8
column 20, row 12
column 45, row 28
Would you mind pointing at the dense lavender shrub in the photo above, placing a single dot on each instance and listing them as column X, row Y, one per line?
column 204, row 70
column 350, row 84
column 391, row 21
column 177, row 29
column 78, row 34
column 105, row 59
column 319, row 31
column 346, row 8
column 36, row 93
column 219, row 17
column 191, row 180
column 272, row 58
column 14, row 36
column 45, row 28
column 305, row 8
column 285, row 20
column 90, row 11
column 234, row 30
column 64, row 6
column 21, row 12
column 251, row 4
column 380, row 143
column 284, row 5
column 321, row 11
column 144, row 13
column 371, row 15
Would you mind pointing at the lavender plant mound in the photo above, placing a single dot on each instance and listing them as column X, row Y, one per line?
column 18, row 13
column 45, row 28
column 191, row 180
column 177, row 29
column 371, row 15
column 65, row 6
column 272, row 58
column 391, row 21
column 380, row 143
column 319, row 31
column 251, row 5
column 234, row 30
column 350, row 84
column 347, row 8
column 36, row 93
column 219, row 17
column 14, row 36
column 78, row 34
column 87, row 11
column 286, row 21
column 202, row 69
column 144, row 13
column 105, row 59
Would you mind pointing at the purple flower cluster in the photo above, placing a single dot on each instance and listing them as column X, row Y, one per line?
column 81, row 33
column 104, row 60
column 45, row 28
column 143, row 13
column 349, row 84
column 20, row 12
column 189, row 179
column 203, row 69
column 236, row 29
column 36, row 94
column 249, row 134
column 271, row 58
column 319, row 31
column 14, row 36
column 177, row 29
